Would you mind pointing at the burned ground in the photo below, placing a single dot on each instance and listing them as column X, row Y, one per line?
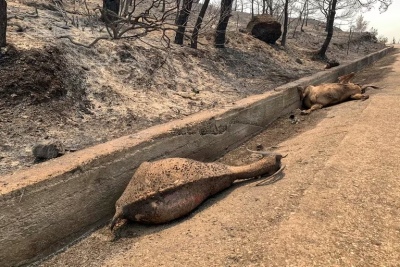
column 51, row 89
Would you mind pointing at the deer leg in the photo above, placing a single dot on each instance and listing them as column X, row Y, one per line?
column 359, row 97
column 313, row 107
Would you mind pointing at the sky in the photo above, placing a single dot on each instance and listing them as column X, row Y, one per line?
column 387, row 23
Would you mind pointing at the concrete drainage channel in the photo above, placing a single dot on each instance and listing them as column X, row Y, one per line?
column 51, row 204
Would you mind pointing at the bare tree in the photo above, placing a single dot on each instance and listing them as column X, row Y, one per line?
column 136, row 19
column 3, row 23
column 300, row 18
column 384, row 4
column 349, row 40
column 110, row 9
column 285, row 23
column 193, row 43
column 178, row 5
column 182, row 20
column 226, row 7
column 305, row 17
column 270, row 7
column 163, row 6
column 322, row 52
column 346, row 8
column 143, row 17
column 274, row 7
column 242, row 5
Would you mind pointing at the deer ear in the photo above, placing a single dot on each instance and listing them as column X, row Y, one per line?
column 346, row 78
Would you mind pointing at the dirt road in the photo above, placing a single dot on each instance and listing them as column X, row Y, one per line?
column 338, row 203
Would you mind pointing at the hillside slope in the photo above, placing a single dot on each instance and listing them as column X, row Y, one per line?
column 52, row 89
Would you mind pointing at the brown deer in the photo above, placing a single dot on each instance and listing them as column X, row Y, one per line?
column 315, row 97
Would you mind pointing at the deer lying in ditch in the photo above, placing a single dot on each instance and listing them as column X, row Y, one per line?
column 167, row 189
column 327, row 94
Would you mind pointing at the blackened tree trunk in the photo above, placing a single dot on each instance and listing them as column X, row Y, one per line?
column 305, row 17
column 110, row 10
column 285, row 23
column 124, row 9
column 197, row 27
column 226, row 7
column 182, row 21
column 307, row 13
column 322, row 52
column 270, row 8
column 328, row 16
column 300, row 17
column 178, row 5
column 163, row 6
column 263, row 7
column 3, row 22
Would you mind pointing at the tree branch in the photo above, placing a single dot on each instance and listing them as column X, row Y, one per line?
column 79, row 44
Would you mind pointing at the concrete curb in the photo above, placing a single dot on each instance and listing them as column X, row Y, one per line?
column 49, row 205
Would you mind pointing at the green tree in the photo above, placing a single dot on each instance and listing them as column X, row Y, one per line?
column 361, row 24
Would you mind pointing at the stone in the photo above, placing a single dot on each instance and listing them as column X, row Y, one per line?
column 331, row 63
column 265, row 27
column 48, row 151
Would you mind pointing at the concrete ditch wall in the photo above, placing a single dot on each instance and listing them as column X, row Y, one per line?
column 49, row 205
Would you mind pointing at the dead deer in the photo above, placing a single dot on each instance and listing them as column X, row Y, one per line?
column 315, row 97
column 167, row 189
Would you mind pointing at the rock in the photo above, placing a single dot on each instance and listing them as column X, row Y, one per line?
column 298, row 60
column 331, row 63
column 48, row 150
column 265, row 27
column 293, row 119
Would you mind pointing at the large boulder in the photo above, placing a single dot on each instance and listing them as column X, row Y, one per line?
column 265, row 27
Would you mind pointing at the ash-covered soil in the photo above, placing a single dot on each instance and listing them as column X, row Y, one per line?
column 52, row 89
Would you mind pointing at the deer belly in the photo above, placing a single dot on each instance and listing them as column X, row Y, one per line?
column 177, row 203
